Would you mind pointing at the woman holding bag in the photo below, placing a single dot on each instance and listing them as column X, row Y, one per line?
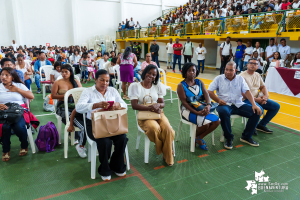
column 187, row 90
column 96, row 98
column 159, row 129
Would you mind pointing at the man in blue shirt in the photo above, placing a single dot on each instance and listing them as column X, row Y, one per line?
column 239, row 53
column 6, row 62
column 229, row 88
column 37, row 65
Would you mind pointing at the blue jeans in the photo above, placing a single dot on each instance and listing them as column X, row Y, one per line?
column 202, row 64
column 246, row 111
column 28, row 83
column 19, row 129
column 84, row 74
column 177, row 57
column 37, row 78
column 271, row 106
column 245, row 63
column 170, row 55
column 136, row 75
column 155, row 59
column 239, row 63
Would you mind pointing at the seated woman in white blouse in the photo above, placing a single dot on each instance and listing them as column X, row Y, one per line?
column 158, row 131
column 277, row 61
column 13, row 90
column 56, row 72
column 95, row 98
column 25, row 67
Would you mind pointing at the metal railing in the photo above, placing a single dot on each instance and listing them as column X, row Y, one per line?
column 276, row 22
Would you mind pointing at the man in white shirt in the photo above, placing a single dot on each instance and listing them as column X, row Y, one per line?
column 296, row 4
column 14, row 45
column 111, row 67
column 100, row 63
column 170, row 51
column 114, row 45
column 260, row 62
column 137, row 25
column 270, row 50
column 248, row 53
column 225, row 54
column 245, row 8
column 253, row 4
column 200, row 52
column 188, row 50
column 158, row 22
column 283, row 49
column 131, row 23
column 189, row 16
column 229, row 88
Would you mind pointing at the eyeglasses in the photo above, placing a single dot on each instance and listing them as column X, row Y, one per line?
column 253, row 63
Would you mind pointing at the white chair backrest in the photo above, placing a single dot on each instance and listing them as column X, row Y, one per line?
column 264, row 65
column 179, row 107
column 164, row 75
column 76, row 92
column 118, row 75
column 75, row 76
column 47, row 70
column 28, row 61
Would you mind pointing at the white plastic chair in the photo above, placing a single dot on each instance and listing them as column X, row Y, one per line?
column 147, row 141
column 29, row 133
column 59, row 119
column 47, row 70
column 165, row 82
column 119, row 83
column 193, row 128
column 92, row 152
column 76, row 92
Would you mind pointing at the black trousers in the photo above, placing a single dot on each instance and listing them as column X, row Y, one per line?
column 138, row 57
column 187, row 58
column 224, row 63
column 110, row 80
column 104, row 145
column 77, row 69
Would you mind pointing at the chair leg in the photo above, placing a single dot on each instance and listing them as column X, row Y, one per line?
column 89, row 152
column 174, row 147
column 147, row 147
column 44, row 91
column 245, row 120
column 59, row 130
column 72, row 138
column 66, row 141
column 232, row 122
column 171, row 95
column 138, row 140
column 222, row 136
column 179, row 128
column 93, row 160
column 127, row 158
column 193, row 136
column 30, row 138
column 213, row 138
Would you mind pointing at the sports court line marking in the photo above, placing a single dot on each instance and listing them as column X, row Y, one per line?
column 287, row 103
column 182, row 161
column 284, row 129
column 289, row 115
column 135, row 173
column 203, row 155
column 222, row 150
column 159, row 167
column 238, row 146
column 44, row 115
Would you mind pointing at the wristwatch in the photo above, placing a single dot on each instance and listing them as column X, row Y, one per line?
column 208, row 104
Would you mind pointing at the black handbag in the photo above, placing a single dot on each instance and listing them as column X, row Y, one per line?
column 12, row 114
column 199, row 103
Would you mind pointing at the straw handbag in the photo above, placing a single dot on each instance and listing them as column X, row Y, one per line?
column 145, row 115
column 109, row 123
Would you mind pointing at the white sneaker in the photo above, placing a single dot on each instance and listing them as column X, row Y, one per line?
column 76, row 142
column 106, row 178
column 121, row 174
column 81, row 151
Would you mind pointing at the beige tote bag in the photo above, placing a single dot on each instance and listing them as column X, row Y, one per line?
column 145, row 115
column 109, row 123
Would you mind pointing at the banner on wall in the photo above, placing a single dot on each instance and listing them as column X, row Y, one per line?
column 47, row 44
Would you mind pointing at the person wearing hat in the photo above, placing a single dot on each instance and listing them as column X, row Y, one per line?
column 154, row 48
column 239, row 54
column 239, row 7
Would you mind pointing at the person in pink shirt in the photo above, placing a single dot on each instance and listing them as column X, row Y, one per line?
column 285, row 4
column 147, row 62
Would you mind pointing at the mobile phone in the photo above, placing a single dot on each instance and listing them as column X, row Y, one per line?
column 111, row 103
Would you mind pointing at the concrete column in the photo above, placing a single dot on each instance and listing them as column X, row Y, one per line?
column 17, row 38
column 74, row 4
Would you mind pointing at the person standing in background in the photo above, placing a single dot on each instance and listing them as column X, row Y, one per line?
column 248, row 53
column 188, row 50
column 239, row 54
column 201, row 51
column 154, row 48
column 170, row 53
column 225, row 54
column 14, row 45
column 114, row 46
column 177, row 47
column 283, row 49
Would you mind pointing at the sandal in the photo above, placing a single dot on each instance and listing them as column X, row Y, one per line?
column 6, row 157
column 204, row 147
column 23, row 152
column 124, row 97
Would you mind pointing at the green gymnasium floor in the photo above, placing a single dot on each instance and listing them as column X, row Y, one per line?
column 213, row 174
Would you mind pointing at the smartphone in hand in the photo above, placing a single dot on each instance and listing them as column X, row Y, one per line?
column 111, row 103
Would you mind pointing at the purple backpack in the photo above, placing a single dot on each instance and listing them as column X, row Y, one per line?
column 47, row 138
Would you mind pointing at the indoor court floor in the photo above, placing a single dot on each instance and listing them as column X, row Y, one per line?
column 213, row 174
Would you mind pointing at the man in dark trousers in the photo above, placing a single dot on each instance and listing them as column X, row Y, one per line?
column 137, row 50
column 154, row 48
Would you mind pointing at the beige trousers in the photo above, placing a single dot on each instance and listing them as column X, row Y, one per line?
column 161, row 133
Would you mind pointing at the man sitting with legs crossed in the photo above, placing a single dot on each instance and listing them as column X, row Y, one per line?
column 229, row 88
column 260, row 94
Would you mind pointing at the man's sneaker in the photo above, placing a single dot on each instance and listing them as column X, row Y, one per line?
column 174, row 70
column 228, row 144
column 121, row 174
column 106, row 178
column 263, row 129
column 38, row 91
column 180, row 70
column 249, row 141
column 81, row 151
column 255, row 133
